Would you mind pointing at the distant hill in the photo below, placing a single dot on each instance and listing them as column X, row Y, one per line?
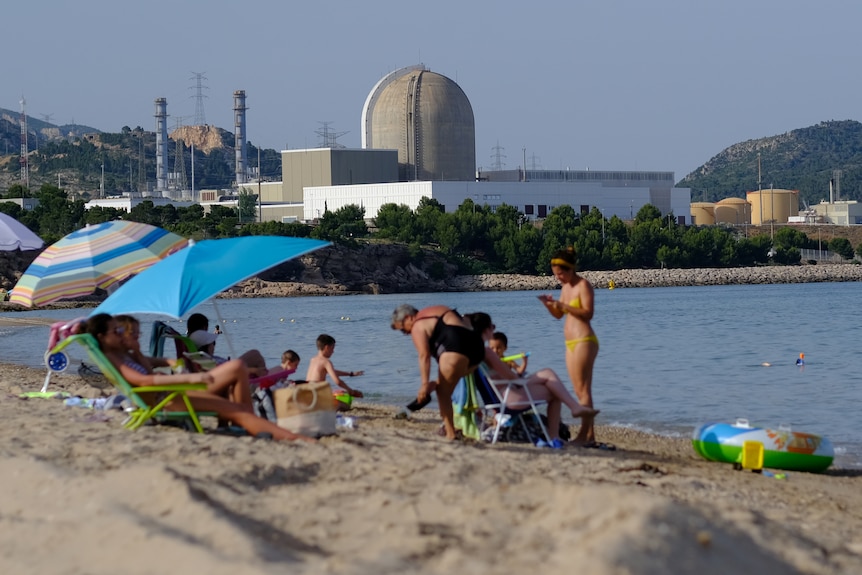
column 75, row 154
column 802, row 159
column 10, row 130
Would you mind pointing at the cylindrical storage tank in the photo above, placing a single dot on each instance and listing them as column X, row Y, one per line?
column 773, row 206
column 428, row 119
column 734, row 211
column 703, row 213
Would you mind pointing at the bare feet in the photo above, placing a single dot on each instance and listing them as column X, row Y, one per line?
column 586, row 412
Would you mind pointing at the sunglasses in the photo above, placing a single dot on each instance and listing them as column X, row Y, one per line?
column 119, row 330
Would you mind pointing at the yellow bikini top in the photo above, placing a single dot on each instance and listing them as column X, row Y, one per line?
column 575, row 303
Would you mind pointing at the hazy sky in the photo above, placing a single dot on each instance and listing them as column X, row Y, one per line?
column 605, row 85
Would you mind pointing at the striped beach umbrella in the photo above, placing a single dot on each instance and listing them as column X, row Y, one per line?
column 97, row 256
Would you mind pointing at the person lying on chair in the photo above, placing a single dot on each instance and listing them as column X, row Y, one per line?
column 109, row 336
column 545, row 384
column 229, row 380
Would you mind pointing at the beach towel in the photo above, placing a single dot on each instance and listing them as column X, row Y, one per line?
column 467, row 409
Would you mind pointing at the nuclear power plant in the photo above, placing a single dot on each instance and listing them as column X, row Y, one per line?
column 418, row 141
column 428, row 119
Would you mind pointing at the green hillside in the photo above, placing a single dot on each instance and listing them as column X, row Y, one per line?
column 802, row 159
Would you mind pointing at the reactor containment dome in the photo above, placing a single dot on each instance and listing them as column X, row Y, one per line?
column 428, row 119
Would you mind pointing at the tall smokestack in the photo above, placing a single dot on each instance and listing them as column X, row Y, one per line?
column 239, row 131
column 161, row 144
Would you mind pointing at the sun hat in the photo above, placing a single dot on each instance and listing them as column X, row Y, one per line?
column 202, row 338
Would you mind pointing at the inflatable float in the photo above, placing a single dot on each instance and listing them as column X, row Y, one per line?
column 757, row 447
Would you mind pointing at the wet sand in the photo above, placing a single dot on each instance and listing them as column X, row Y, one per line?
column 83, row 495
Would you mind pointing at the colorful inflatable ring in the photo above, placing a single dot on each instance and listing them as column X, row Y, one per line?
column 782, row 448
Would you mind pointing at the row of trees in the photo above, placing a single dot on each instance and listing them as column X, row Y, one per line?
column 480, row 238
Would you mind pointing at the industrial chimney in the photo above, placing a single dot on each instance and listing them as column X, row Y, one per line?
column 161, row 145
column 239, row 131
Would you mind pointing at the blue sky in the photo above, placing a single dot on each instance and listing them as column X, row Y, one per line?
column 605, row 85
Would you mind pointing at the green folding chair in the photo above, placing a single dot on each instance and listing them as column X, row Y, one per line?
column 142, row 412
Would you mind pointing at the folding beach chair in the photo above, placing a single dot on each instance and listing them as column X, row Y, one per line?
column 161, row 333
column 495, row 396
column 142, row 412
column 58, row 362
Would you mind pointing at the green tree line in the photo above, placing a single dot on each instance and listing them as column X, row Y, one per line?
column 480, row 238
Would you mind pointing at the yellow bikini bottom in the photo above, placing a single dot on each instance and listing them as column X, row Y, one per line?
column 571, row 344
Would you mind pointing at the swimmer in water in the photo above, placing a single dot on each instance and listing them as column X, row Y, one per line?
column 801, row 359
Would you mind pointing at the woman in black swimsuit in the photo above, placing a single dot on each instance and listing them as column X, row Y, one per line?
column 440, row 332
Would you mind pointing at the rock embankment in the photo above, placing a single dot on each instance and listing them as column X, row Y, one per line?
column 669, row 277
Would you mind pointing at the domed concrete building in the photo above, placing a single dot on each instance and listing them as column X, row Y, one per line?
column 428, row 119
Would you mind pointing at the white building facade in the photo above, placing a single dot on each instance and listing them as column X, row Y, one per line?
column 534, row 199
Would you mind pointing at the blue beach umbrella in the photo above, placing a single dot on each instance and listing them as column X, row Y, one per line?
column 182, row 281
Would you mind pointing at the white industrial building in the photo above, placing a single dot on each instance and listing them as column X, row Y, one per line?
column 534, row 199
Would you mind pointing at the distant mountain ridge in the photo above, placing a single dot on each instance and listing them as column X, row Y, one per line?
column 10, row 128
column 802, row 159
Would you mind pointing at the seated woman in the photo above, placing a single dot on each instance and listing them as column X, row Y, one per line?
column 110, row 337
column 230, row 379
column 544, row 385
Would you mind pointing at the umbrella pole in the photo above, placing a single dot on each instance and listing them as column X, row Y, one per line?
column 233, row 354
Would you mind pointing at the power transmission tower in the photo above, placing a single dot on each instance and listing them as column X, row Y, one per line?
column 329, row 139
column 535, row 162
column 198, row 77
column 25, row 168
column 497, row 163
column 836, row 178
column 47, row 117
column 179, row 160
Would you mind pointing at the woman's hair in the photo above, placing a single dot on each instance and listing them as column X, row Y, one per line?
column 566, row 258
column 127, row 322
column 98, row 324
column 479, row 320
column 402, row 311
column 289, row 355
column 197, row 321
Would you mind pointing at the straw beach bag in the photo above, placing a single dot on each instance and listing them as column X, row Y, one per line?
column 306, row 408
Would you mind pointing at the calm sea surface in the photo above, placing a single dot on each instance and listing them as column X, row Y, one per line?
column 670, row 359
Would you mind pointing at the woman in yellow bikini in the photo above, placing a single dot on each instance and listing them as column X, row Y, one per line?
column 582, row 345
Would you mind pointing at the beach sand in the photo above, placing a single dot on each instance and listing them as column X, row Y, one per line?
column 80, row 494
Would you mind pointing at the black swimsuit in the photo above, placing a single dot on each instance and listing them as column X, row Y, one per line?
column 458, row 339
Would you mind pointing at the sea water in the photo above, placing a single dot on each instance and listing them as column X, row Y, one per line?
column 670, row 358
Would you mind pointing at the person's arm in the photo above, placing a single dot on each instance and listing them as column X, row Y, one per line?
column 335, row 375
column 553, row 306
column 499, row 368
column 139, row 379
column 521, row 368
column 420, row 341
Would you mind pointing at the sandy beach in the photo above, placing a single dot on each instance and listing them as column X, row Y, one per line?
column 82, row 495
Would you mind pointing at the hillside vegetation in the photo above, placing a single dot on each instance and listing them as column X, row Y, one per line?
column 802, row 159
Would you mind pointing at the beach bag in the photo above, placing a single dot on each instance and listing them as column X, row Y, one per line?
column 306, row 408
column 263, row 404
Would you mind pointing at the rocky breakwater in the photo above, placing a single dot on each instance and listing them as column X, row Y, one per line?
column 668, row 277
